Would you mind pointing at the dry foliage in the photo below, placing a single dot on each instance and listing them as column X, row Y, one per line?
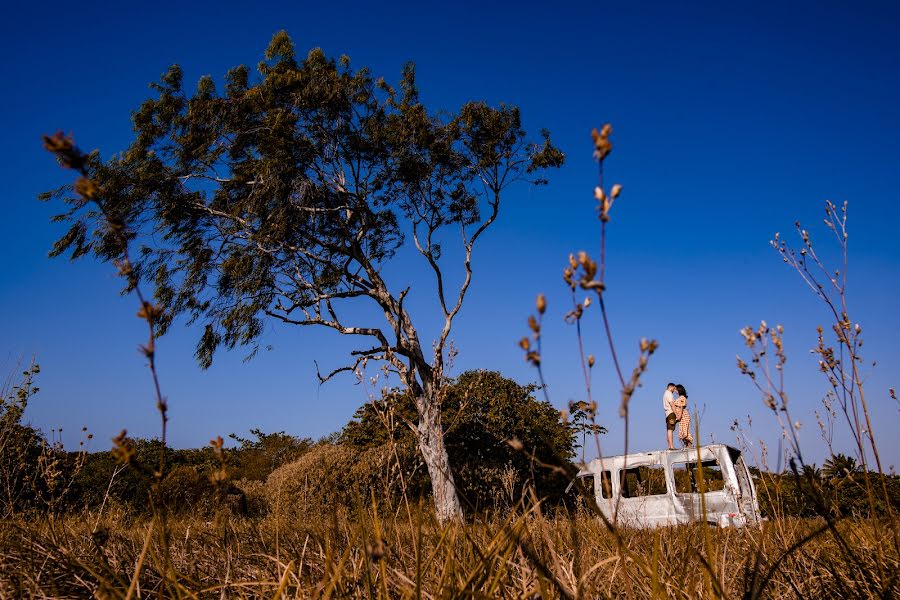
column 526, row 555
column 330, row 478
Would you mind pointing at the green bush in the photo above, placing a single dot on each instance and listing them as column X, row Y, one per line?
column 186, row 468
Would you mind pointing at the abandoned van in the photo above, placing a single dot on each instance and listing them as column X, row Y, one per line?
column 654, row 489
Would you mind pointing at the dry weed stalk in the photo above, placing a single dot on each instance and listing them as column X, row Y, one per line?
column 70, row 157
column 841, row 364
column 584, row 274
column 34, row 470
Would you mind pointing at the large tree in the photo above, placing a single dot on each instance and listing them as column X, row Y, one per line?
column 282, row 198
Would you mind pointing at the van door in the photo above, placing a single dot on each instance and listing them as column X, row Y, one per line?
column 690, row 481
column 645, row 501
column 747, row 502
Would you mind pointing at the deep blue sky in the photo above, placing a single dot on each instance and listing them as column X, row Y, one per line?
column 730, row 123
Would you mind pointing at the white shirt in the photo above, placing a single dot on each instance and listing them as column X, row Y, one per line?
column 668, row 398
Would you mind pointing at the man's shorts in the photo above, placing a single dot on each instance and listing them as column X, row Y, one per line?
column 670, row 422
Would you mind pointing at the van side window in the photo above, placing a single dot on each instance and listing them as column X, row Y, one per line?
column 687, row 477
column 605, row 484
column 637, row 482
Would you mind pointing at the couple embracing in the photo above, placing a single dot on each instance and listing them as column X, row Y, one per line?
column 675, row 405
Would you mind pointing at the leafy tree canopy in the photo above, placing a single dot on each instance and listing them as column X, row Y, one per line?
column 282, row 197
column 839, row 466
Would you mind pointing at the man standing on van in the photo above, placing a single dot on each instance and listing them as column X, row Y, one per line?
column 668, row 399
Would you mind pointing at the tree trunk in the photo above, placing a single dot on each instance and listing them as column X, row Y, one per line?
column 431, row 444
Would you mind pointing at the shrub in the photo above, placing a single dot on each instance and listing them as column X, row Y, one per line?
column 186, row 490
column 255, row 498
column 317, row 482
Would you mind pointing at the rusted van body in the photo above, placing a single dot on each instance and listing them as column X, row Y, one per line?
column 660, row 488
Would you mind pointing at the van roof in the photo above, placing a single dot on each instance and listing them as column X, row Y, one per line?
column 679, row 455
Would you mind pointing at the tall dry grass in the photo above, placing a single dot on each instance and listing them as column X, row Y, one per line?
column 527, row 555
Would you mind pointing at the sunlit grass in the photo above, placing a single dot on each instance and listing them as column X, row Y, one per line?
column 526, row 555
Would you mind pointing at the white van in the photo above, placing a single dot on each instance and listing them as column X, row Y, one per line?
column 654, row 489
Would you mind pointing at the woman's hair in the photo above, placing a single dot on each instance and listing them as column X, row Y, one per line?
column 681, row 390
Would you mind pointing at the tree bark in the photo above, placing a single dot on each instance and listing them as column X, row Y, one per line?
column 431, row 443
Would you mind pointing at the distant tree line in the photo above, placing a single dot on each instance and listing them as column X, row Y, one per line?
column 375, row 452
column 483, row 410
column 837, row 488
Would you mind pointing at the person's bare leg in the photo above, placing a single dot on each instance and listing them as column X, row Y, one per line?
column 669, row 439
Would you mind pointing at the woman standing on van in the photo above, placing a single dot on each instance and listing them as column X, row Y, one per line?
column 683, row 416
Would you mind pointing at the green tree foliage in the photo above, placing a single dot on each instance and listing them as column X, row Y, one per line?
column 839, row 466
column 282, row 198
column 482, row 411
column 256, row 458
column 186, row 486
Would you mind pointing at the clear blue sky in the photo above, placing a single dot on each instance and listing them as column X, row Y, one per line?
column 731, row 121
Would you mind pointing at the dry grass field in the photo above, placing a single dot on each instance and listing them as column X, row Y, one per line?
column 525, row 555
